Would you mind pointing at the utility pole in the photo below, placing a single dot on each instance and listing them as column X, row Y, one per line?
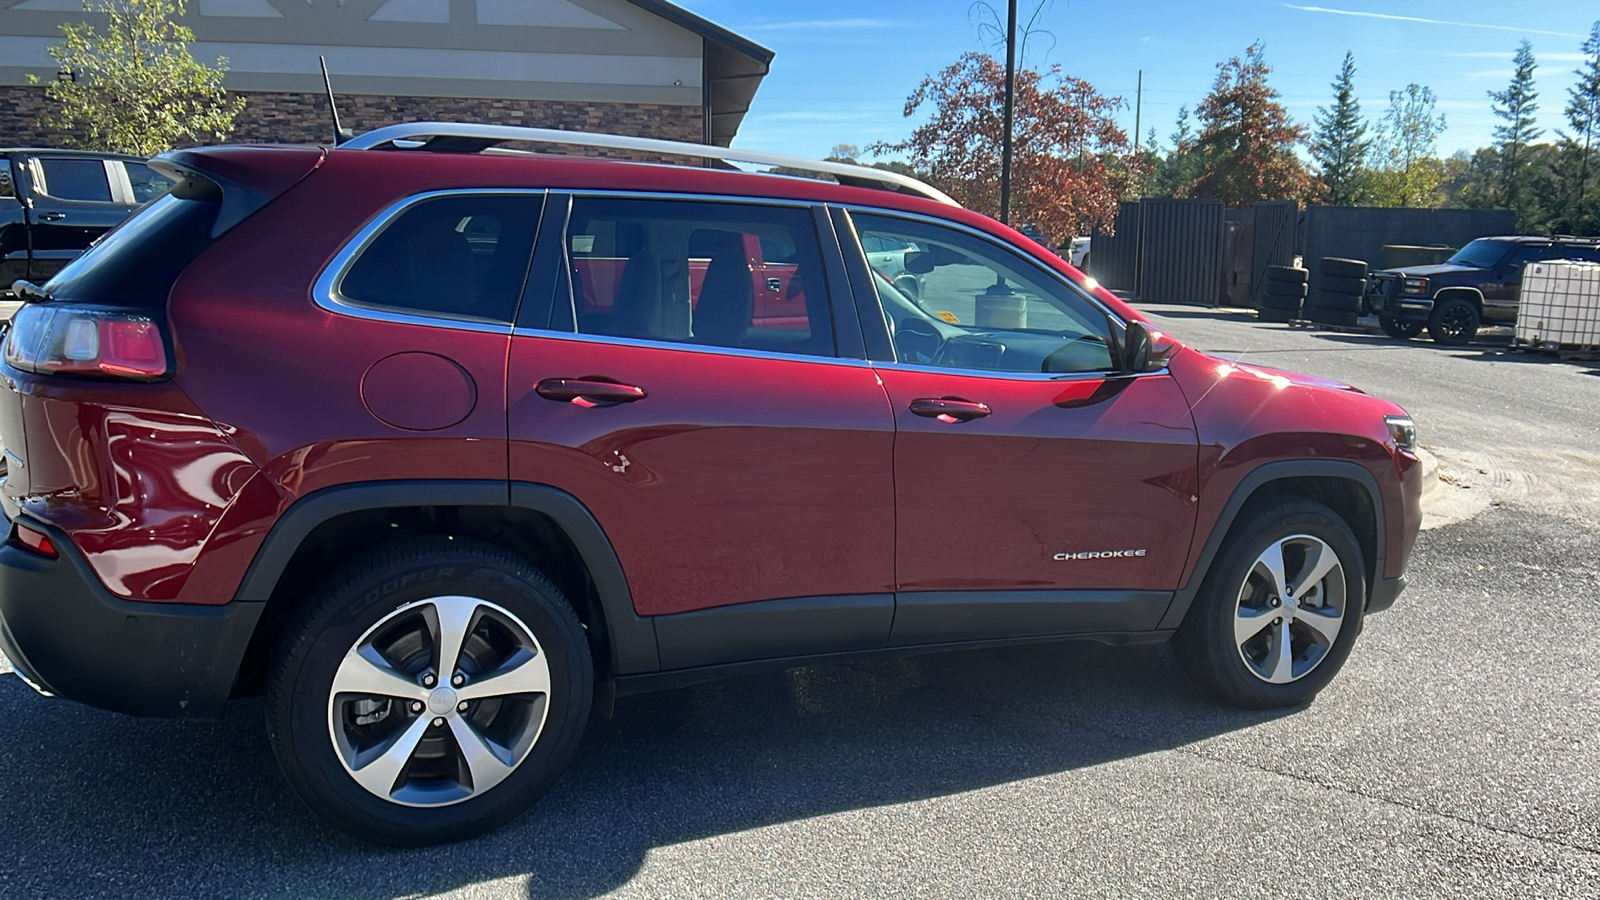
column 1138, row 111
column 1011, row 103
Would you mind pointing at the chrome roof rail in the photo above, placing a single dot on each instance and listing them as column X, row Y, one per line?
column 472, row 138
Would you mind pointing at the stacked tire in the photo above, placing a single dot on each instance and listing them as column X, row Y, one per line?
column 1285, row 293
column 1337, row 291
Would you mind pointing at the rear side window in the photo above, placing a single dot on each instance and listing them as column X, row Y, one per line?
column 135, row 264
column 74, row 179
column 147, row 183
column 741, row 276
column 461, row 256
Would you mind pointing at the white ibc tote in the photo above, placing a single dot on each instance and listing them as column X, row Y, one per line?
column 1560, row 307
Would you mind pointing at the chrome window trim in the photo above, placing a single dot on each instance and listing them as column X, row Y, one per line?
column 1017, row 376
column 325, row 291
column 741, row 199
column 649, row 344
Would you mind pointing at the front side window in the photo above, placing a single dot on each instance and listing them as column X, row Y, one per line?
column 742, row 276
column 463, row 256
column 74, row 179
column 962, row 302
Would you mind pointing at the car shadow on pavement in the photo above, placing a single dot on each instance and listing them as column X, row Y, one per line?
column 93, row 803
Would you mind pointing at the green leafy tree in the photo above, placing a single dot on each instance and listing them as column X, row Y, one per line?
column 1247, row 142
column 1408, row 171
column 1579, row 147
column 135, row 88
column 1340, row 145
column 1517, row 106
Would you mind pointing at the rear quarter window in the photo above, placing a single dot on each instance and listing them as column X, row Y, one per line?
column 135, row 264
column 74, row 179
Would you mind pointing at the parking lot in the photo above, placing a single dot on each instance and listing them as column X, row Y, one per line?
column 1455, row 756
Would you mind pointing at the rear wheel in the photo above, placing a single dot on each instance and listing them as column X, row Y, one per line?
column 1454, row 322
column 429, row 692
column 1280, row 609
column 1399, row 328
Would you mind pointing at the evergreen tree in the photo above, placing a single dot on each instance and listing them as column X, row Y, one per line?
column 1583, row 115
column 1517, row 106
column 1178, row 169
column 1340, row 146
column 1247, row 142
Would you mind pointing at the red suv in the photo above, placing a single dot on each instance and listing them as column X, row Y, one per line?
column 440, row 446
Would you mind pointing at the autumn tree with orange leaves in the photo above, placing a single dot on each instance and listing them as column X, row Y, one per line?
column 1247, row 142
column 1072, row 164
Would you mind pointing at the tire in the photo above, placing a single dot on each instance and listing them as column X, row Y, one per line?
column 1276, row 301
column 1237, row 590
column 1399, row 329
column 1268, row 314
column 1345, row 268
column 1287, row 274
column 1454, row 322
column 515, row 621
column 1343, row 303
column 1296, row 290
column 1338, row 284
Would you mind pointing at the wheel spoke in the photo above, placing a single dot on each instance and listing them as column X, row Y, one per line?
column 379, row 772
column 1272, row 561
column 524, row 673
column 363, row 671
column 1280, row 660
column 1324, row 620
column 1317, row 567
column 1247, row 623
column 488, row 763
column 452, row 618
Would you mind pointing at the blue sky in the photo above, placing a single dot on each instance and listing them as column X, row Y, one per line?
column 844, row 67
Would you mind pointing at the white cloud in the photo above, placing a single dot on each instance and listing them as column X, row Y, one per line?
column 1418, row 19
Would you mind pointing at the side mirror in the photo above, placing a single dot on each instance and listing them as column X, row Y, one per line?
column 1136, row 348
column 919, row 262
column 1144, row 350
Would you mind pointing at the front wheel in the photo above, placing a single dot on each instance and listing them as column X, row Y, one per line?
column 1280, row 608
column 1399, row 329
column 1454, row 322
column 428, row 692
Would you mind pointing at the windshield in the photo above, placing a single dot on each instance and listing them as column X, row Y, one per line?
column 1480, row 254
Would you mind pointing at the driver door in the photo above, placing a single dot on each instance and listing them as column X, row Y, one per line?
column 1020, row 451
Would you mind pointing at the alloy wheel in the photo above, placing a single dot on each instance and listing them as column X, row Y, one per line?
column 1290, row 609
column 438, row 702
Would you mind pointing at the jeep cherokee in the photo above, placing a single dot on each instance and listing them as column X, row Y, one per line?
column 440, row 445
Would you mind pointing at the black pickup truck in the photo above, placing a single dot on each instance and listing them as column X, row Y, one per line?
column 54, row 203
column 1479, row 285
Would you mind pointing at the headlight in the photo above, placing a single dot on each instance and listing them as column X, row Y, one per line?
column 1403, row 431
column 1415, row 286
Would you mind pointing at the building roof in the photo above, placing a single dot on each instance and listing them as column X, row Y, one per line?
column 734, row 67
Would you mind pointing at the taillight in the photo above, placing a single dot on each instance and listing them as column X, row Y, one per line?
column 67, row 340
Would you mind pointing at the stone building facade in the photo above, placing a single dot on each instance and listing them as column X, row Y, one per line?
column 634, row 67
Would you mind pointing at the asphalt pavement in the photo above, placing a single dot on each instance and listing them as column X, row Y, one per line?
column 1457, row 755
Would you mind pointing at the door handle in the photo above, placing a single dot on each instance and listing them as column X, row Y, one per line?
column 52, row 216
column 774, row 285
column 949, row 410
column 588, row 392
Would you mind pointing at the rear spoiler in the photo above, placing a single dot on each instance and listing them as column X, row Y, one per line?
column 242, row 179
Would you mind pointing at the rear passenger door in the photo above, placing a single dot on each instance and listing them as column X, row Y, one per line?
column 741, row 468
column 72, row 204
